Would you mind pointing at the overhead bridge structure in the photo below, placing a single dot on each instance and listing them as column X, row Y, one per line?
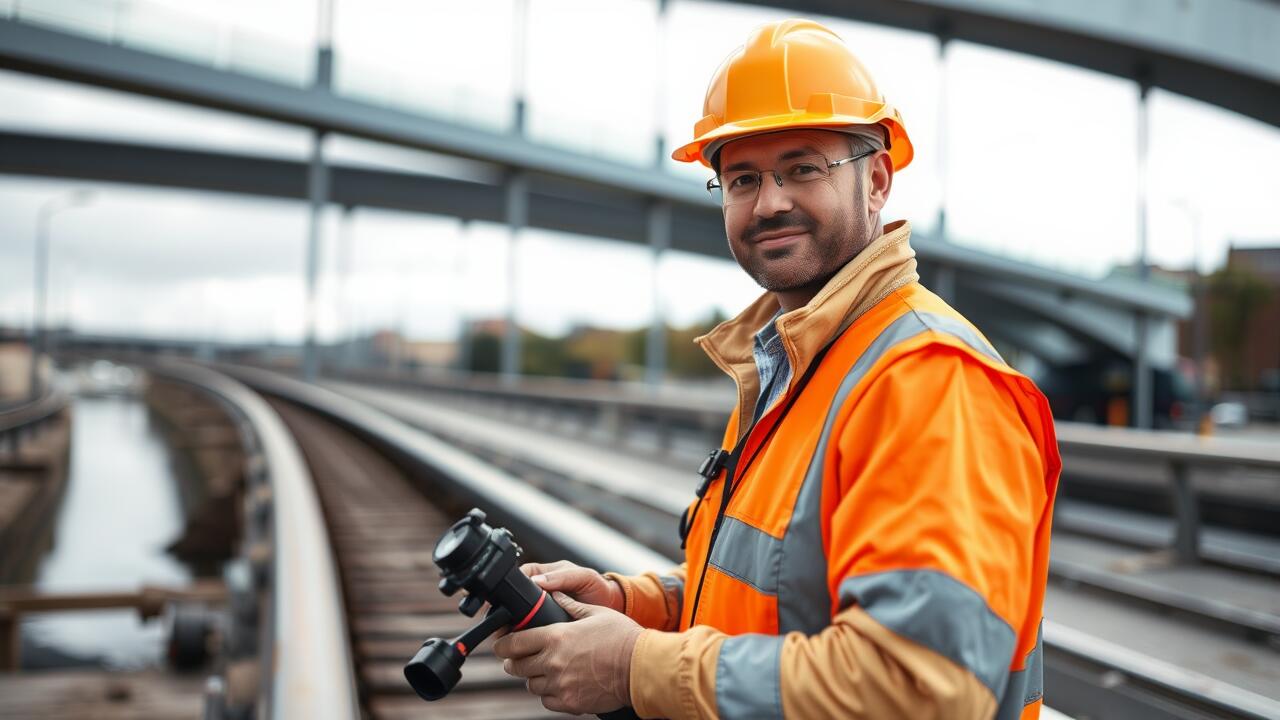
column 1060, row 318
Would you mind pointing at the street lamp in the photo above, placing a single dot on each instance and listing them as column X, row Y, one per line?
column 75, row 198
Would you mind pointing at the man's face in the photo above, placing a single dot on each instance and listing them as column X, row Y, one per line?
column 797, row 236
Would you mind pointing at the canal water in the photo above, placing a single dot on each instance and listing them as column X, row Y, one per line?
column 120, row 510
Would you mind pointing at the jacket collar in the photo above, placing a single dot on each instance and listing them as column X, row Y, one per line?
column 885, row 265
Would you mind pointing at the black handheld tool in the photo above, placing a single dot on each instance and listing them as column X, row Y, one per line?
column 484, row 561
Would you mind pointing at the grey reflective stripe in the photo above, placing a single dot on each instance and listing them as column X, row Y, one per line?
column 962, row 330
column 941, row 613
column 749, row 677
column 1026, row 685
column 748, row 554
column 674, row 588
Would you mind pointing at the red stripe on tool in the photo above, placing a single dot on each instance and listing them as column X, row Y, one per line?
column 462, row 648
column 532, row 612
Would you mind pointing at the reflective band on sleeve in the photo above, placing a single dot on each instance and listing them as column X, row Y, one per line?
column 749, row 677
column 674, row 589
column 1026, row 685
column 941, row 613
column 748, row 554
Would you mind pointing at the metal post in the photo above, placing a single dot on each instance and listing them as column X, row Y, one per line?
column 517, row 215
column 41, row 297
column 519, row 43
column 1186, row 542
column 347, row 332
column 464, row 322
column 659, row 98
column 317, row 196
column 656, row 348
column 317, row 193
column 39, row 321
column 1141, row 362
column 944, row 279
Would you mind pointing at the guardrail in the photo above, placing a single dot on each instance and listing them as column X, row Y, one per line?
column 309, row 667
column 27, row 418
column 620, row 410
column 1179, row 453
column 616, row 407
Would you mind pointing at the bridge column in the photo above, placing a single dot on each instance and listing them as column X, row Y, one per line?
column 517, row 216
column 656, row 347
column 1141, row 327
column 517, row 199
column 346, row 320
column 317, row 192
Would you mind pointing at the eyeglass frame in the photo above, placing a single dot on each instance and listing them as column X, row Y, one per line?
column 714, row 182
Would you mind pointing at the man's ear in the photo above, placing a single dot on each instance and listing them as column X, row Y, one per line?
column 880, row 182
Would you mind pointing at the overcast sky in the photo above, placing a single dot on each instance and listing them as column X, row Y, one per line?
column 1041, row 165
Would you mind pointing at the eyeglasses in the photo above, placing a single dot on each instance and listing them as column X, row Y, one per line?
column 742, row 186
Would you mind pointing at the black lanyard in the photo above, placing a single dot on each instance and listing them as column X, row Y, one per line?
column 719, row 459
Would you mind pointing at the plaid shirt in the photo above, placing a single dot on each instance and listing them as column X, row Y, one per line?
column 771, row 363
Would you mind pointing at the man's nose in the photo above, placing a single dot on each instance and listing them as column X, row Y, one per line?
column 773, row 197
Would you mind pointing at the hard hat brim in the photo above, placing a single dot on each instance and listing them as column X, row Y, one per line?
column 900, row 150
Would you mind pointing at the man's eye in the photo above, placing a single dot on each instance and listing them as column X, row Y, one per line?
column 803, row 169
column 742, row 181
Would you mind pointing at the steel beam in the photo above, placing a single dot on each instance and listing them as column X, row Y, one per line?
column 1222, row 52
column 38, row 51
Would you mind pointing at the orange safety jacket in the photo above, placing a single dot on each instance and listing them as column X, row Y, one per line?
column 886, row 552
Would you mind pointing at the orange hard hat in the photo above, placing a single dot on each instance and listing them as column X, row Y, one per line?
column 792, row 74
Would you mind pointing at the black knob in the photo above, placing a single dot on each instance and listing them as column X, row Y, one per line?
column 471, row 605
column 435, row 669
column 448, row 587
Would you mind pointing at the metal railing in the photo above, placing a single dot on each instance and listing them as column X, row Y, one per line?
column 311, row 673
column 1179, row 453
column 26, row 419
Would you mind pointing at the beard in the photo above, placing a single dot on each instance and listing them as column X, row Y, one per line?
column 805, row 265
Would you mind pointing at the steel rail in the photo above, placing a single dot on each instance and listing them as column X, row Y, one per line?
column 541, row 522
column 310, row 660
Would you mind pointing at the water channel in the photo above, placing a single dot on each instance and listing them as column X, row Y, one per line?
column 120, row 510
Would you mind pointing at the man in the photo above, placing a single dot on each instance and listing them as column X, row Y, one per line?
column 872, row 540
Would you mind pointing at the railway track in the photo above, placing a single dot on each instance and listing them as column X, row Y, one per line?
column 383, row 529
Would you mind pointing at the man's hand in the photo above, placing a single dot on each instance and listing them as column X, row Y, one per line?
column 583, row 666
column 582, row 584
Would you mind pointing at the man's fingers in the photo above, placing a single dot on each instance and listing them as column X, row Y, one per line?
column 525, row 667
column 521, row 644
column 538, row 685
column 576, row 610
column 572, row 580
column 531, row 569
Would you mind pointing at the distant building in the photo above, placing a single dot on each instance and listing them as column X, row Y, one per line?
column 1260, row 354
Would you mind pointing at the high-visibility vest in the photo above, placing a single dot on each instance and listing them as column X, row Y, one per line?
column 775, row 567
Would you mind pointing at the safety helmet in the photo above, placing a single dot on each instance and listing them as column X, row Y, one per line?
column 791, row 74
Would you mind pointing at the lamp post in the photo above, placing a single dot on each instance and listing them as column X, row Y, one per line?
column 76, row 198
